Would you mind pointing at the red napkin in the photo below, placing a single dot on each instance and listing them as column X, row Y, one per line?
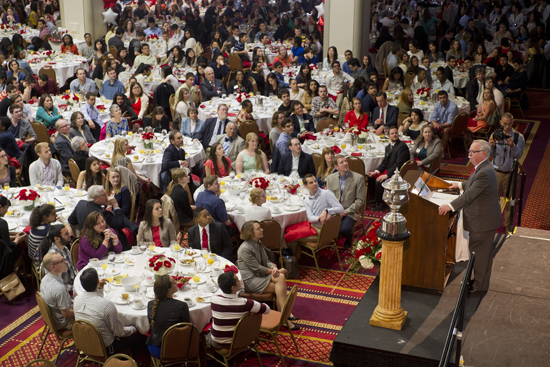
column 232, row 114
column 203, row 106
column 336, row 150
column 100, row 107
column 356, row 154
column 27, row 230
column 20, row 144
column 130, row 150
column 89, row 145
column 407, row 141
column 62, row 105
column 310, row 137
column 178, row 278
column 262, row 135
column 232, row 268
column 105, row 166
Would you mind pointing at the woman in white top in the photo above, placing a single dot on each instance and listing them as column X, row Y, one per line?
column 188, row 40
column 129, row 31
column 182, row 104
column 516, row 16
column 414, row 51
column 251, row 158
column 169, row 77
column 296, row 94
column 257, row 211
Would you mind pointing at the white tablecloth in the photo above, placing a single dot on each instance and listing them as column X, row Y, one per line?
column 428, row 107
column 291, row 207
column 200, row 313
column 65, row 65
column 262, row 115
column 194, row 154
column 28, row 33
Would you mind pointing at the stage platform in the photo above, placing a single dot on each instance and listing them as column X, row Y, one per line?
column 508, row 326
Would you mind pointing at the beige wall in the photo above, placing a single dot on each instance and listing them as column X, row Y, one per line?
column 82, row 16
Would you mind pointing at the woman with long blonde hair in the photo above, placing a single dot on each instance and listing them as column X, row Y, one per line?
column 406, row 101
column 251, row 158
column 120, row 159
column 115, row 187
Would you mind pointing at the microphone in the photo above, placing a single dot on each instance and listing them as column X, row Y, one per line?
column 431, row 175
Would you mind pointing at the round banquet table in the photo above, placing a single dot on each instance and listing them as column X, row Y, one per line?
column 65, row 65
column 290, row 208
column 262, row 115
column 428, row 107
column 200, row 312
column 64, row 202
column 371, row 154
column 26, row 32
column 194, row 154
column 66, row 110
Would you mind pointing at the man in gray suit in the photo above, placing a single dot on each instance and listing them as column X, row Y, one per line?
column 231, row 142
column 481, row 210
column 62, row 144
column 210, row 86
column 349, row 189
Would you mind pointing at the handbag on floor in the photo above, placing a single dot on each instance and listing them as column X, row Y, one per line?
column 11, row 286
column 291, row 266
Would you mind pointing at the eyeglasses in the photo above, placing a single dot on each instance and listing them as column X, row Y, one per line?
column 472, row 152
column 59, row 262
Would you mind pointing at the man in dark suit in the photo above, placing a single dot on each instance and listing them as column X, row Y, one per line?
column 210, row 86
column 451, row 64
column 369, row 97
column 213, row 127
column 264, row 10
column 231, row 142
column 97, row 198
column 384, row 115
column 210, row 235
column 11, row 91
column 397, row 153
column 297, row 162
column 482, row 215
column 475, row 87
column 173, row 157
column 303, row 122
column 62, row 144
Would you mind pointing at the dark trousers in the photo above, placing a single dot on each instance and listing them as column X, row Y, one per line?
column 482, row 244
column 375, row 190
column 96, row 132
column 346, row 229
column 135, row 342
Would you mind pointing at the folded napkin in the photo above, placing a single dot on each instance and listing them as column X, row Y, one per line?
column 100, row 107
column 130, row 150
column 336, row 150
column 232, row 268
column 232, row 114
column 203, row 106
column 181, row 280
column 356, row 154
column 310, row 137
column 407, row 141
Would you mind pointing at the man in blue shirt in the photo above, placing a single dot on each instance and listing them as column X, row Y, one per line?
column 297, row 49
column 91, row 115
column 262, row 30
column 153, row 29
column 240, row 50
column 7, row 140
column 443, row 115
column 216, row 207
column 112, row 86
column 281, row 146
column 346, row 67
column 278, row 70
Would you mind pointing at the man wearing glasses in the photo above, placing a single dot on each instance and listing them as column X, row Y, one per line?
column 481, row 209
column 62, row 145
column 55, row 293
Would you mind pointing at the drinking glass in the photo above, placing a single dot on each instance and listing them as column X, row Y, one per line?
column 111, row 257
column 142, row 246
column 6, row 186
column 164, row 132
column 66, row 187
column 140, row 130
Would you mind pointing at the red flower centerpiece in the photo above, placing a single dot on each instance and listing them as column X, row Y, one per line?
column 27, row 198
column 423, row 93
column 259, row 182
column 148, row 140
column 161, row 265
column 292, row 188
column 367, row 251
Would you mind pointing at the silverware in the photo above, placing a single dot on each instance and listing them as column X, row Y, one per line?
column 58, row 201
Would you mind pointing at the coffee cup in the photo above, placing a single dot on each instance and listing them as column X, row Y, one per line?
column 189, row 301
column 137, row 304
column 149, row 159
column 135, row 250
column 210, row 287
column 217, row 270
column 94, row 263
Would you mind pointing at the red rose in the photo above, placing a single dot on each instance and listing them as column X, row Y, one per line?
column 368, row 250
column 151, row 265
column 379, row 255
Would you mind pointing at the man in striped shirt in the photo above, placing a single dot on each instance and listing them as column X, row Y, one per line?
column 227, row 310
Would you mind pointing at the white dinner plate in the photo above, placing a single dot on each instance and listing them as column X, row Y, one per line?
column 158, row 251
column 121, row 301
column 202, row 281
column 138, row 161
column 12, row 226
column 196, row 253
column 291, row 208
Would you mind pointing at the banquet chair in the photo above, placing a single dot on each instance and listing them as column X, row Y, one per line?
column 401, row 117
column 179, row 345
column 245, row 338
column 387, row 71
column 274, row 320
column 40, row 363
column 89, row 343
column 133, row 208
column 113, row 51
column 249, row 127
column 261, row 297
column 409, row 165
column 171, row 104
column 317, row 161
column 435, row 164
column 49, row 72
column 326, row 238
column 409, row 78
column 325, row 122
column 507, row 104
column 62, row 335
column 458, row 127
column 120, row 360
column 273, row 235
column 360, row 221
column 75, row 248
column 169, row 211
column 75, row 170
column 41, row 132
column 514, row 103
column 254, row 85
column 356, row 165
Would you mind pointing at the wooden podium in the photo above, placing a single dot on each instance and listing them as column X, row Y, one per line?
column 428, row 255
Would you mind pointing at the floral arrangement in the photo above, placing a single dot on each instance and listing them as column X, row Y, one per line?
column 148, row 139
column 5, row 26
column 27, row 198
column 292, row 188
column 161, row 265
column 259, row 182
column 153, row 37
column 109, row 4
column 367, row 251
column 313, row 67
column 181, row 281
column 241, row 97
column 423, row 93
column 47, row 53
column 101, row 108
column 232, row 268
column 71, row 98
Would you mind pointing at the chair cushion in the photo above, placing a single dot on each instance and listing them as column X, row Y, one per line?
column 299, row 230
column 64, row 333
column 311, row 245
column 270, row 320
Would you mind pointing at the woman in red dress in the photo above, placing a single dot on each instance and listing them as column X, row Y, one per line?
column 357, row 117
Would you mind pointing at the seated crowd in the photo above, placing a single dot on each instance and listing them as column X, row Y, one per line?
column 105, row 220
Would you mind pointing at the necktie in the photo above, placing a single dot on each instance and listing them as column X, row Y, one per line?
column 220, row 129
column 382, row 115
column 204, row 239
column 228, row 139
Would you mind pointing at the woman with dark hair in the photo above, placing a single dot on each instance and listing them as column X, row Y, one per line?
column 163, row 312
column 312, row 91
column 304, row 75
column 217, row 163
column 6, row 48
column 47, row 113
column 383, row 37
column 33, row 17
column 168, row 75
column 367, row 65
column 5, row 233
column 479, row 54
column 142, row 72
column 177, row 57
column 79, row 127
column 272, row 86
column 157, row 120
column 68, row 45
column 188, row 41
column 40, row 221
column 122, row 101
column 395, row 80
column 191, row 59
column 129, row 26
column 327, row 166
column 297, row 50
column 18, row 43
column 154, row 227
column 433, row 53
column 427, row 147
column 92, row 175
column 123, row 58
column 7, row 171
column 14, row 71
column 276, row 127
column 332, row 55
column 240, row 84
column 138, row 100
column 96, row 240
column 412, row 126
column 100, row 49
column 115, row 187
column 178, row 194
column 256, row 72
